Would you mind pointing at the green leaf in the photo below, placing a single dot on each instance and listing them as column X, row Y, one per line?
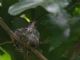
column 5, row 55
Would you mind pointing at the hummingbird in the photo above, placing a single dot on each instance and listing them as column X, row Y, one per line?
column 28, row 35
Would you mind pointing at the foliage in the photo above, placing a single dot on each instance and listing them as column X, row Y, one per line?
column 57, row 22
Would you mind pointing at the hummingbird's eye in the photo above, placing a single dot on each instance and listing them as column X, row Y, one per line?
column 26, row 28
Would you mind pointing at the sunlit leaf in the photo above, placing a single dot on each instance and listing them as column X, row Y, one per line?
column 4, row 55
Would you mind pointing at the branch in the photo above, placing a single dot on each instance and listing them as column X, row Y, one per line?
column 15, row 37
column 5, row 26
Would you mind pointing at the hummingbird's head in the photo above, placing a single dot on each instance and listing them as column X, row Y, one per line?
column 31, row 26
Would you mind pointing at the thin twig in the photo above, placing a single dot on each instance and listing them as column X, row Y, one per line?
column 8, row 42
column 15, row 37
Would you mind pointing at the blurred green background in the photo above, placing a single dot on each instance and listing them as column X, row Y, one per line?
column 57, row 47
